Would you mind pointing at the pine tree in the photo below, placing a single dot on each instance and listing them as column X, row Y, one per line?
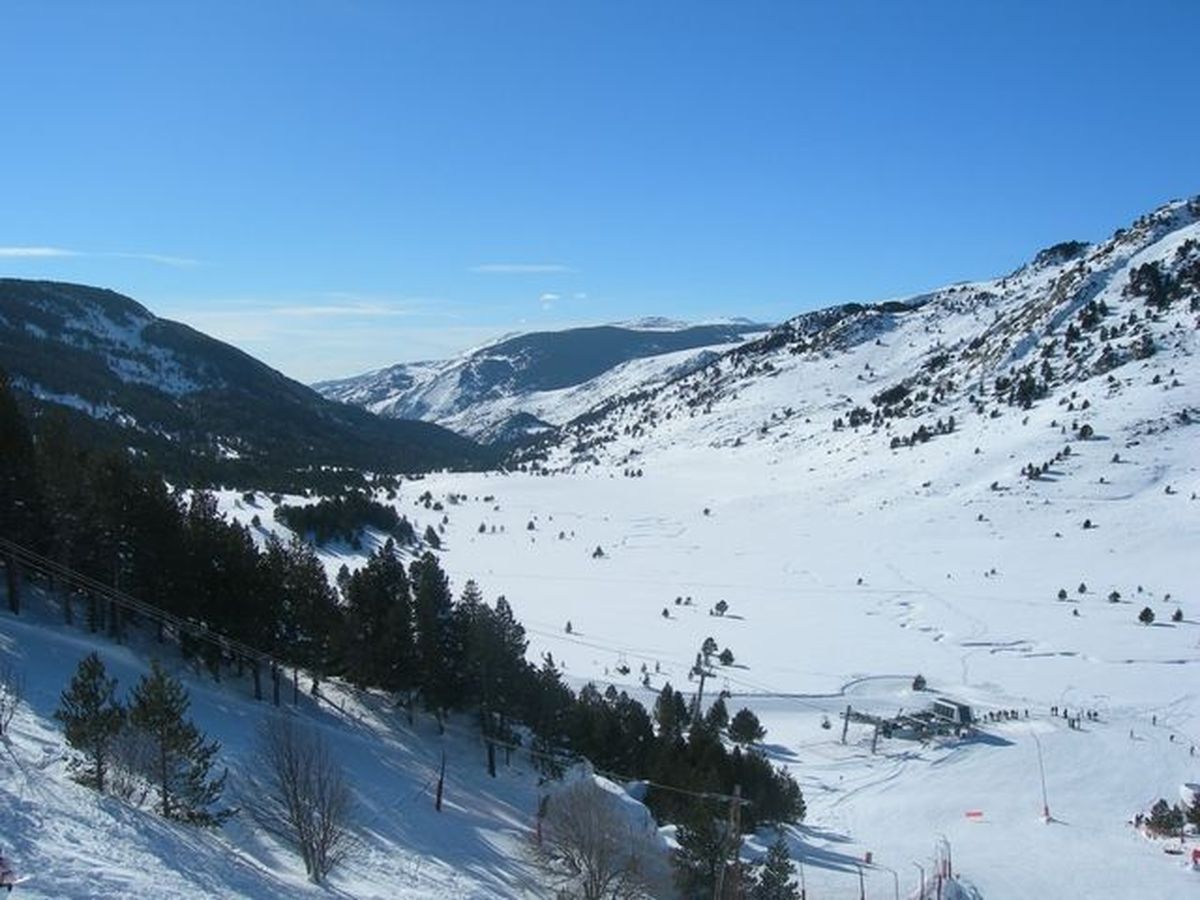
column 378, row 625
column 775, row 881
column 670, row 714
column 21, row 513
column 706, row 853
column 91, row 715
column 432, row 606
column 717, row 717
column 745, row 728
column 307, row 620
column 183, row 758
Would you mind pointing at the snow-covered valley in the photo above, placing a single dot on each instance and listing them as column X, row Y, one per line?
column 986, row 487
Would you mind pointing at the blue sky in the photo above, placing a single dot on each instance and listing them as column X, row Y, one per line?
column 335, row 186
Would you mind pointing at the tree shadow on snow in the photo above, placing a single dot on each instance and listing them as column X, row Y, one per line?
column 778, row 752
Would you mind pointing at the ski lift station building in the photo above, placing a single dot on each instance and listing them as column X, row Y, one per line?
column 953, row 711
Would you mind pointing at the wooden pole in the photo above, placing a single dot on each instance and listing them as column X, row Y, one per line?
column 845, row 722
column 732, row 839
column 437, row 803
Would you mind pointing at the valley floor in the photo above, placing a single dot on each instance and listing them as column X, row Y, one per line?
column 841, row 588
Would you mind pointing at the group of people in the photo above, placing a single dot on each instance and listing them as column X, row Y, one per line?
column 1004, row 715
column 1081, row 715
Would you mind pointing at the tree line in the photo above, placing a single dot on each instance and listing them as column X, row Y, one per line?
column 344, row 517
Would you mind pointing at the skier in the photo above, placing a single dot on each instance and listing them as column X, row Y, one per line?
column 7, row 876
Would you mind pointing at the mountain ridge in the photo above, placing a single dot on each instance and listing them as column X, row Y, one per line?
column 203, row 409
column 1074, row 314
column 481, row 391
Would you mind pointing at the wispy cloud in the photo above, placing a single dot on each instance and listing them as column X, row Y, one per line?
column 180, row 262
column 344, row 310
column 521, row 269
column 34, row 252
column 64, row 253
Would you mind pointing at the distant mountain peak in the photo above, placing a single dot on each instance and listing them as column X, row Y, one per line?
column 492, row 392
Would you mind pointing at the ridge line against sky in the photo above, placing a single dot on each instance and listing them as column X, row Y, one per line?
column 338, row 187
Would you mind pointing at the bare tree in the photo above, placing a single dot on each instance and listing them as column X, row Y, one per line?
column 588, row 848
column 133, row 759
column 12, row 692
column 307, row 799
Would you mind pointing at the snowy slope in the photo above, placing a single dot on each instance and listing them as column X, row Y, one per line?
column 973, row 351
column 74, row 843
column 519, row 384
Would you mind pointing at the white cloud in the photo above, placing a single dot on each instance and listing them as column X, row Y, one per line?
column 521, row 269
column 34, row 252
column 62, row 252
column 358, row 310
column 180, row 262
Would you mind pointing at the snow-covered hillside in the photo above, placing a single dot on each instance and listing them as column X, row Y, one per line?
column 1083, row 336
column 72, row 843
column 523, row 384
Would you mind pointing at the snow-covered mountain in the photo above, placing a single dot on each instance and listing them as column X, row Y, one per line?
column 198, row 406
column 524, row 384
column 1086, row 340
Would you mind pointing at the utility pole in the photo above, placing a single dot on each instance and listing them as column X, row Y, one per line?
column 700, row 670
column 845, row 722
column 733, row 836
column 1042, row 770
